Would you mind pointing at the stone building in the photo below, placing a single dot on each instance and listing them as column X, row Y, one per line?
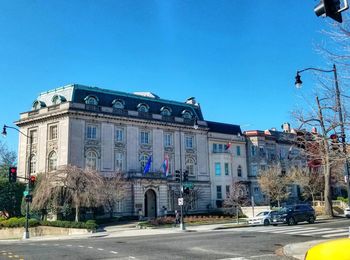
column 269, row 147
column 111, row 131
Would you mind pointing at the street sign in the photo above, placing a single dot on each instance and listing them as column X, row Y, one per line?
column 188, row 185
column 180, row 201
column 25, row 193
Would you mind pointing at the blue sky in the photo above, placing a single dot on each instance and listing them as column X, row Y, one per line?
column 238, row 58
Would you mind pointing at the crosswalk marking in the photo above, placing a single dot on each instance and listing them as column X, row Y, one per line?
column 338, row 234
column 302, row 230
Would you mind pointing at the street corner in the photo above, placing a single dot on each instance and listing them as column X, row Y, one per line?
column 298, row 250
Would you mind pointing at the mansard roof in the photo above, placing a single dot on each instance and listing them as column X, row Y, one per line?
column 224, row 128
column 77, row 93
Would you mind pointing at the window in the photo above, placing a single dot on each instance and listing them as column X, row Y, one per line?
column 186, row 114
column 253, row 150
column 218, row 148
column 227, row 169
column 119, row 161
column 239, row 171
column 117, row 103
column 217, row 169
column 254, row 169
column 143, row 161
column 142, row 108
column 91, row 132
column 91, row 100
column 119, row 135
column 91, row 160
column 52, row 161
column 218, row 192
column 165, row 111
column 227, row 191
column 144, row 137
column 190, row 166
column 33, row 164
column 53, row 132
column 33, row 136
column 168, row 139
column 189, row 142
column 238, row 150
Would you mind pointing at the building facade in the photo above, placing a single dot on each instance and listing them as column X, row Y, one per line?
column 111, row 131
column 227, row 160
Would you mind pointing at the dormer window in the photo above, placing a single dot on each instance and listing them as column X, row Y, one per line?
column 57, row 99
column 144, row 108
column 91, row 100
column 165, row 111
column 186, row 114
column 38, row 104
column 118, row 103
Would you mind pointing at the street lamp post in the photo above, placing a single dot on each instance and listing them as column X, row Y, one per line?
column 298, row 84
column 27, row 176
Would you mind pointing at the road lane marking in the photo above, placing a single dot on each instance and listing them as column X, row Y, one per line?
column 311, row 229
column 81, row 246
column 113, row 252
column 69, row 245
column 90, row 247
column 323, row 232
column 338, row 234
column 44, row 244
column 56, row 244
column 314, row 230
column 101, row 249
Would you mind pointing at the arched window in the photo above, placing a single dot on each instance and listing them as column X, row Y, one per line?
column 38, row 104
column 57, row 99
column 52, row 161
column 142, row 108
column 143, row 161
column 91, row 100
column 119, row 161
column 186, row 114
column 190, row 166
column 165, row 111
column 33, row 164
column 118, row 103
column 239, row 171
column 91, row 160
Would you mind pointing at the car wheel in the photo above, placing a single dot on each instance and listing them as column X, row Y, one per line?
column 311, row 220
column 291, row 221
column 266, row 222
column 274, row 225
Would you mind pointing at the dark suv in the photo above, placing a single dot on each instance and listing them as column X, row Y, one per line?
column 294, row 214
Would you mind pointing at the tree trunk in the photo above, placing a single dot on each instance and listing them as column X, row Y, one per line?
column 76, row 213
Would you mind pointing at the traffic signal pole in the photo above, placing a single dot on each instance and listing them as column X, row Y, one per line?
column 26, row 227
column 182, row 224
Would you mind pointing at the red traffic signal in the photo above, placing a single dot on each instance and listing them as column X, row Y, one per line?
column 32, row 180
column 12, row 174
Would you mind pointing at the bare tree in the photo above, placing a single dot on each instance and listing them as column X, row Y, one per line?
column 237, row 197
column 68, row 184
column 113, row 191
column 310, row 181
column 274, row 182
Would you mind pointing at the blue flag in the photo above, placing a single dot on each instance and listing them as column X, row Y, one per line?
column 148, row 165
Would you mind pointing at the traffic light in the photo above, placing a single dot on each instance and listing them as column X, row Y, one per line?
column 330, row 8
column 12, row 174
column 32, row 181
column 186, row 190
column 334, row 142
column 28, row 198
column 177, row 176
column 185, row 176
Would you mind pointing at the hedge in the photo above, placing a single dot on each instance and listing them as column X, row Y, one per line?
column 20, row 222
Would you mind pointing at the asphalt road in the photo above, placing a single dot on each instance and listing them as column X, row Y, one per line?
column 238, row 243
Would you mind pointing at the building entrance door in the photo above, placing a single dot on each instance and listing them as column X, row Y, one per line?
column 150, row 204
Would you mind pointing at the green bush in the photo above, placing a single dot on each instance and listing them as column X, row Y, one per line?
column 18, row 222
column 343, row 199
column 90, row 224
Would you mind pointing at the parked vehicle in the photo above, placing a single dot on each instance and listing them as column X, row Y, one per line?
column 263, row 218
column 347, row 212
column 291, row 215
column 337, row 249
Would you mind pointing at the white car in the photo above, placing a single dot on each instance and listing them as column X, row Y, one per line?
column 347, row 212
column 263, row 218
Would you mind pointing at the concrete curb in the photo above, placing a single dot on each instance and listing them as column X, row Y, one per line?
column 298, row 250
